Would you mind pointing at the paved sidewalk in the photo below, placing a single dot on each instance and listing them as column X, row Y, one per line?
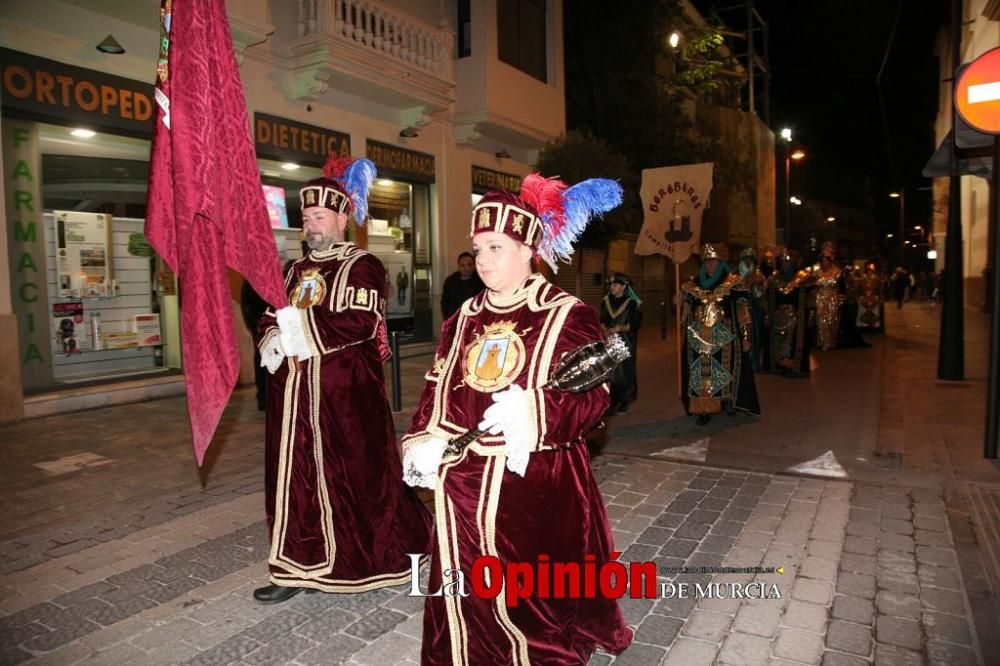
column 115, row 549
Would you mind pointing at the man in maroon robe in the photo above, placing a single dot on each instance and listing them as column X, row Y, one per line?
column 340, row 519
column 525, row 489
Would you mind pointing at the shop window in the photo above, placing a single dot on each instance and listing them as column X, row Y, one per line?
column 289, row 177
column 110, row 316
column 391, row 238
column 521, row 34
column 282, row 184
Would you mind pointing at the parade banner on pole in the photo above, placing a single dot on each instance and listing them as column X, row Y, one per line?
column 673, row 201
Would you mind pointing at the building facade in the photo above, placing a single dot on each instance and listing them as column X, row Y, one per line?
column 448, row 100
column 980, row 33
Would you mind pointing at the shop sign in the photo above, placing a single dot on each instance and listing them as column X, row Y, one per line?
column 26, row 245
column 289, row 141
column 45, row 89
column 396, row 162
column 484, row 180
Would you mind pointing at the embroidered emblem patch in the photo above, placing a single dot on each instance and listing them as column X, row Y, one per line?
column 310, row 291
column 495, row 358
column 518, row 226
column 484, row 219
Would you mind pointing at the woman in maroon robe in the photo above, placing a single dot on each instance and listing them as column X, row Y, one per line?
column 525, row 489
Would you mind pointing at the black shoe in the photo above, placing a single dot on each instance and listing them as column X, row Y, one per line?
column 623, row 408
column 703, row 419
column 275, row 594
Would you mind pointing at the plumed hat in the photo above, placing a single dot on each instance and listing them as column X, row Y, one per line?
column 548, row 215
column 343, row 187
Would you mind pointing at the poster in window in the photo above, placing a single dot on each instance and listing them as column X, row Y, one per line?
column 277, row 210
column 147, row 329
column 83, row 254
column 68, row 327
column 399, row 290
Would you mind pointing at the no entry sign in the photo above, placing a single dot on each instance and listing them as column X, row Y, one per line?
column 977, row 95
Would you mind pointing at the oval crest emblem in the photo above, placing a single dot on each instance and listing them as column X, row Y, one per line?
column 495, row 358
column 310, row 291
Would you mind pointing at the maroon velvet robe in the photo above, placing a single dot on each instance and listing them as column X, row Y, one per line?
column 340, row 517
column 484, row 509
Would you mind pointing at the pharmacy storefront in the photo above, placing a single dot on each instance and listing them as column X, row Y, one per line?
column 93, row 302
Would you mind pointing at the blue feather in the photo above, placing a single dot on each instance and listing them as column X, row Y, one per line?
column 357, row 180
column 581, row 202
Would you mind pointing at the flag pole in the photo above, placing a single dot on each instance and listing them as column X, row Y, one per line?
column 677, row 315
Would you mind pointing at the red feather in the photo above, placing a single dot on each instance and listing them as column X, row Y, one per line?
column 336, row 166
column 545, row 196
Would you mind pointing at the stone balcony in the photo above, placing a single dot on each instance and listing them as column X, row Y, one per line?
column 374, row 51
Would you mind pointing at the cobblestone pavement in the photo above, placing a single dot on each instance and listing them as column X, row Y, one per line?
column 869, row 574
column 115, row 550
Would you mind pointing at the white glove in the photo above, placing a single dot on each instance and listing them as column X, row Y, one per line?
column 293, row 337
column 510, row 414
column 272, row 355
column 421, row 462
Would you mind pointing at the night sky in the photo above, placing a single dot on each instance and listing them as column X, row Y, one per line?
column 825, row 56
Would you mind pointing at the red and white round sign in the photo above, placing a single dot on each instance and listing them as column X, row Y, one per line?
column 977, row 95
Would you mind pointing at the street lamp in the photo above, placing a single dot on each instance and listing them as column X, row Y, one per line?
column 901, row 195
column 796, row 155
column 786, row 133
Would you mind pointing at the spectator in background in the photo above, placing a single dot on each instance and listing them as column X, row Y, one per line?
column 621, row 312
column 252, row 306
column 900, row 285
column 460, row 286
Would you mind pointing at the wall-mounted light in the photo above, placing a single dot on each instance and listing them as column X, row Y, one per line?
column 786, row 133
column 831, row 219
column 290, row 166
column 82, row 133
column 798, row 154
column 932, row 254
column 503, row 154
column 409, row 132
column 795, row 201
column 110, row 45
column 889, row 235
column 674, row 40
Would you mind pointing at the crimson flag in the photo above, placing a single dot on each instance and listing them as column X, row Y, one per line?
column 206, row 208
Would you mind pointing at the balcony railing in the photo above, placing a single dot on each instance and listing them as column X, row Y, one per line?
column 383, row 30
